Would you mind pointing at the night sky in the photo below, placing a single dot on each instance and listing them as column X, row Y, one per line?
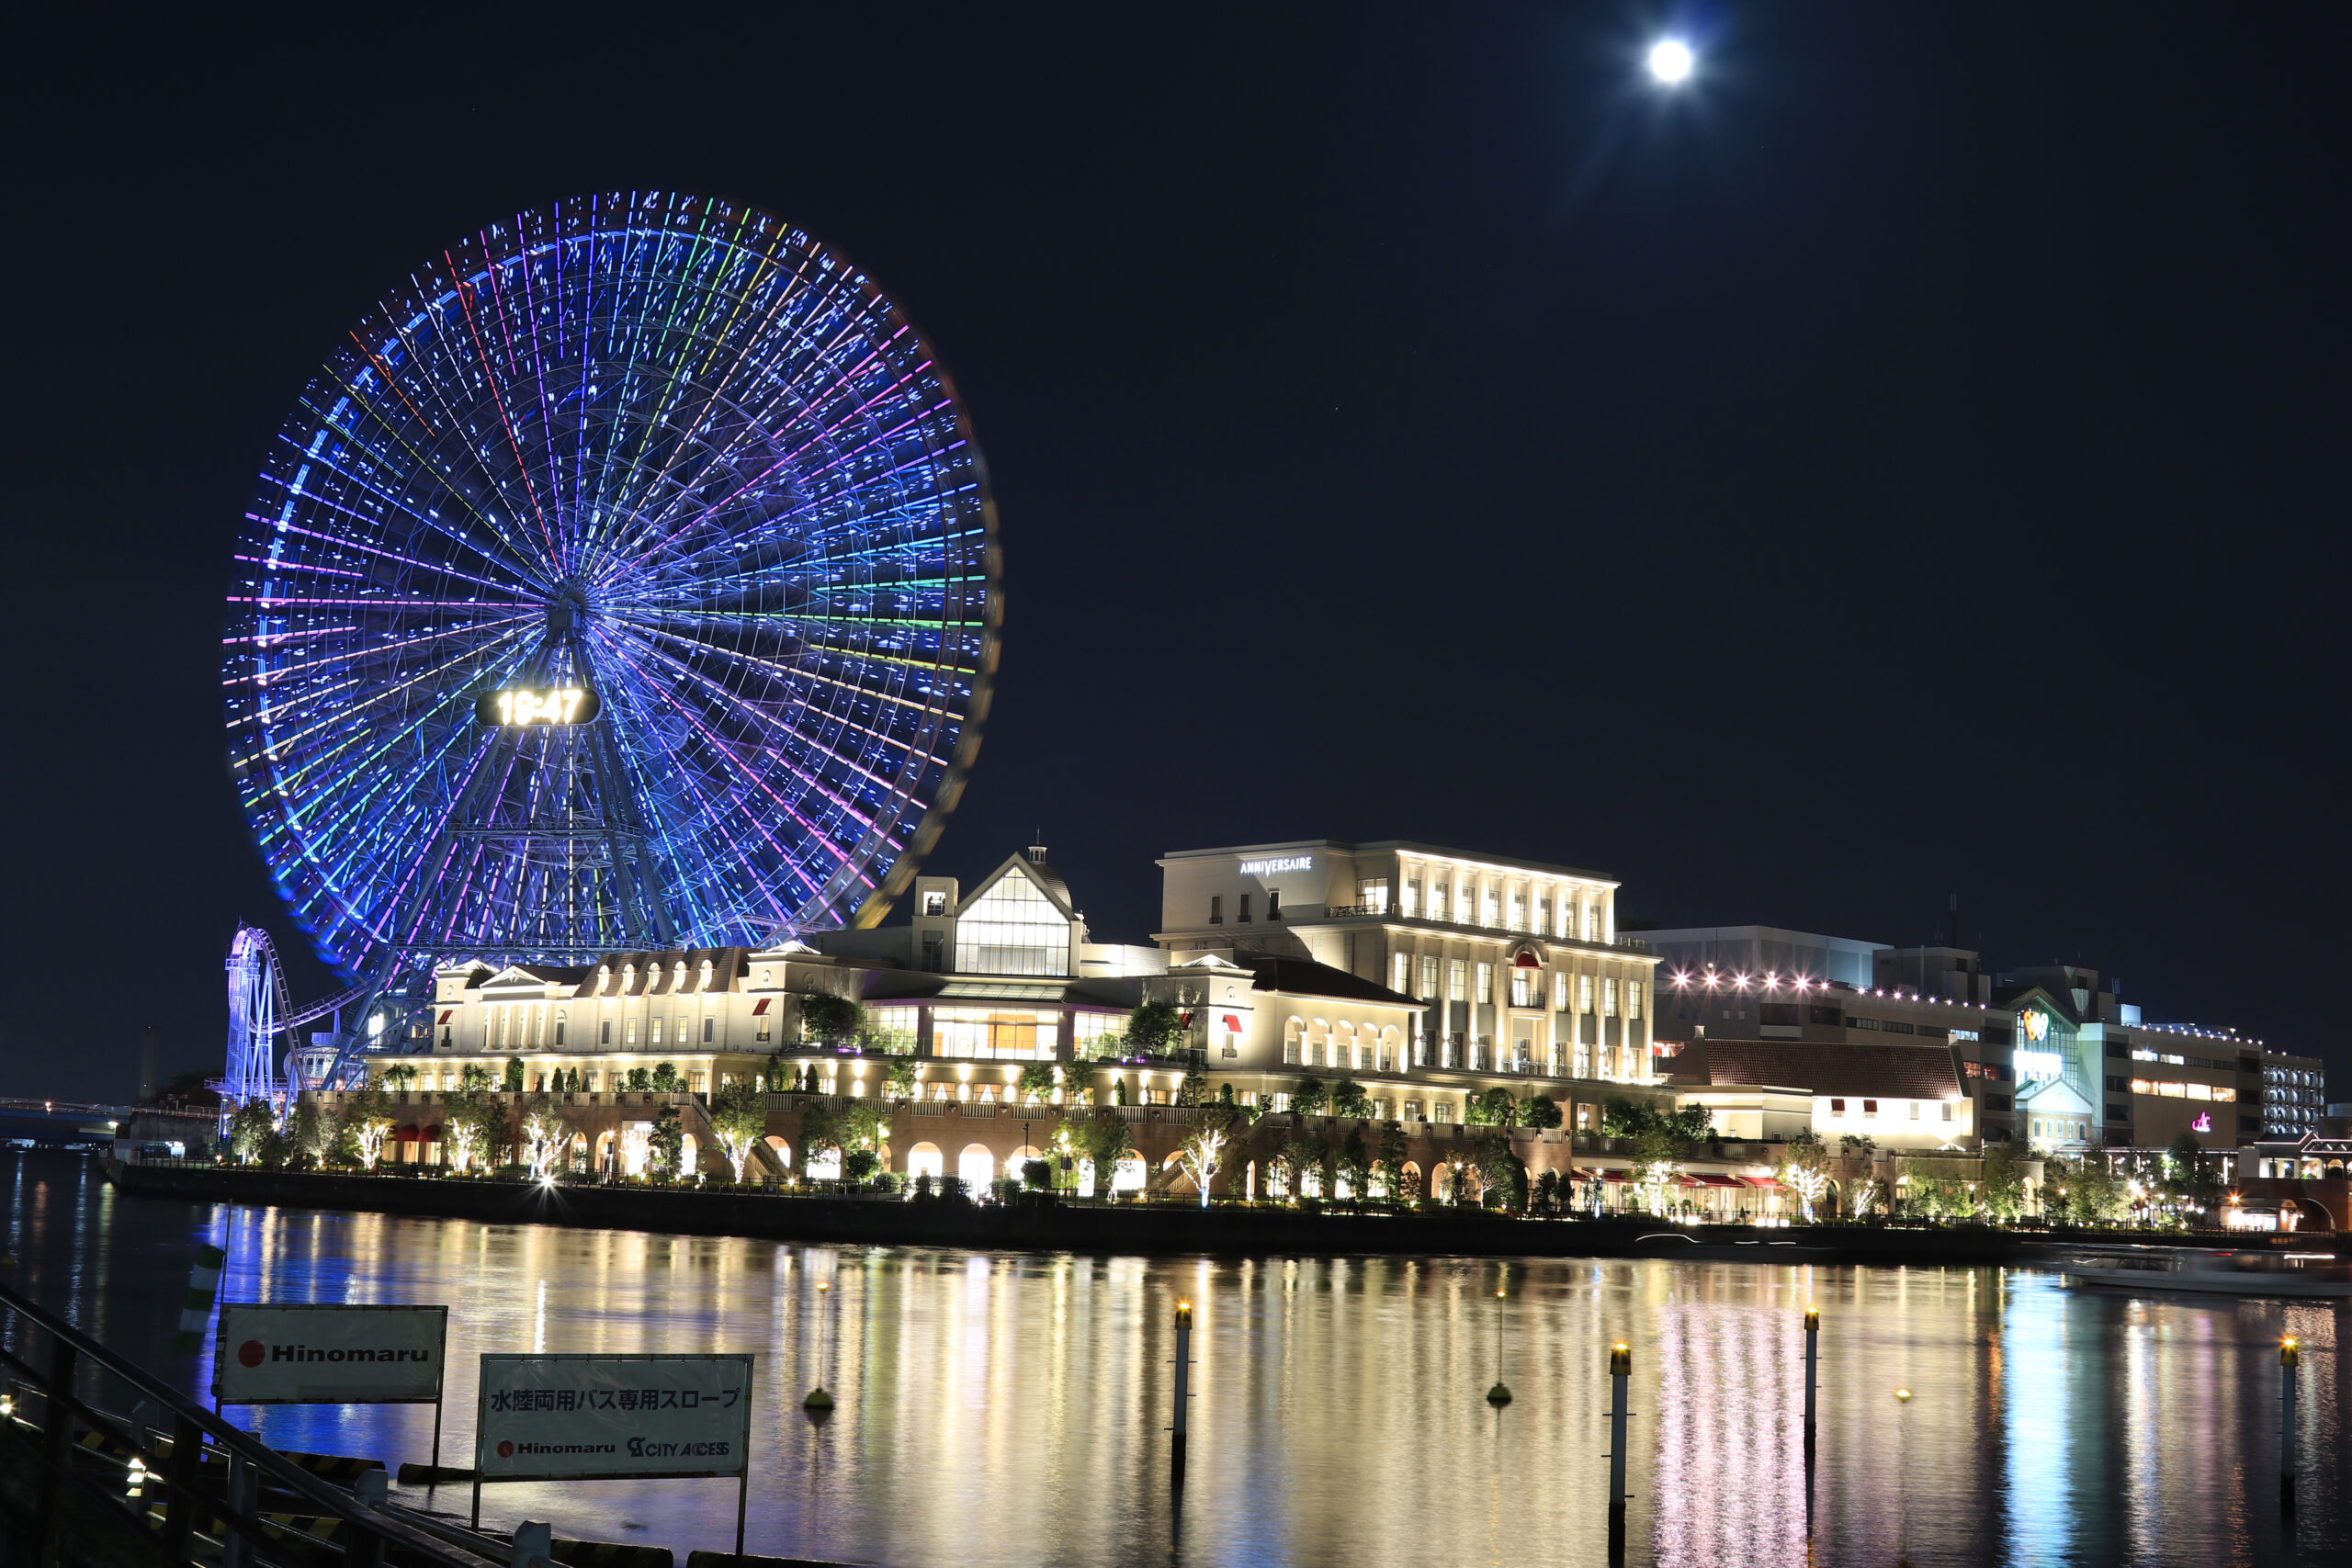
column 1911, row 462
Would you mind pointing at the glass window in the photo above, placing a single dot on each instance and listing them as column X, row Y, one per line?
column 1217, row 909
column 1494, row 908
column 657, row 1031
column 1441, row 1111
column 1243, row 918
column 1608, row 996
column 1455, row 977
column 1371, row 893
column 1592, row 923
column 1486, row 983
column 1013, row 929
column 1274, row 903
column 1522, row 987
column 558, row 1028
column 1519, row 911
column 1633, row 999
column 1412, row 905
column 1401, row 968
column 1583, row 993
column 1438, row 902
column 1429, row 977
column 707, row 1025
column 1543, row 915
column 631, row 1031
column 994, row 1035
column 1560, row 989
column 934, row 903
column 605, row 1032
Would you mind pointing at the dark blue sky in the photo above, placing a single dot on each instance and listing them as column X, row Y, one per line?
column 1913, row 463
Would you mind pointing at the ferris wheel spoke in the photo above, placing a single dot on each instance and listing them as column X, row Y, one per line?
column 783, row 752
column 739, row 456
column 754, row 777
column 757, row 424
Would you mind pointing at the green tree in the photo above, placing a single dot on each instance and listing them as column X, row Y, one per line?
column 1542, row 1111
column 2001, row 1187
column 1388, row 1154
column 1629, row 1117
column 513, row 1075
column 668, row 1144
column 315, row 1131
column 1495, row 1108
column 1108, row 1140
column 1348, row 1098
column 1155, row 1029
column 1036, row 1084
column 859, row 1165
column 1502, row 1175
column 1355, row 1160
column 250, row 1128
column 1036, row 1174
column 2189, row 1177
column 1311, row 1098
column 739, row 1120
column 473, row 1078
column 400, row 1076
column 666, row 1079
column 829, row 1019
column 2090, row 1191
column 1852, row 1145
column 640, row 1080
column 1195, row 1089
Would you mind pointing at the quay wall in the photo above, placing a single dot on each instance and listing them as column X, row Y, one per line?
column 1124, row 1228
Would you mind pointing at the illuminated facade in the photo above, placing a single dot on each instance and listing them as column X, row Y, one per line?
column 1517, row 966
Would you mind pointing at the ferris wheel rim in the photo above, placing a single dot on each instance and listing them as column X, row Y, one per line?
column 932, row 774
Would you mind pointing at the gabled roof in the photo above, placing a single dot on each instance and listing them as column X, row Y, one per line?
column 1048, row 882
column 2055, row 1097
column 1305, row 978
column 1868, row 1072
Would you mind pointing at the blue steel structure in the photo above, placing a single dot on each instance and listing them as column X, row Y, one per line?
column 663, row 449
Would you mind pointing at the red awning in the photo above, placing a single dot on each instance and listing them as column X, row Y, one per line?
column 1233, row 1023
column 1526, row 961
column 404, row 1136
column 1760, row 1181
column 445, row 1012
column 761, row 1006
column 1704, row 1179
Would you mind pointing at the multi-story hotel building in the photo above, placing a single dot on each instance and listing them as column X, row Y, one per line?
column 1518, row 965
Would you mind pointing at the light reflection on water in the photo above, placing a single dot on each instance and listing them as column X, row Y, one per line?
column 1011, row 1408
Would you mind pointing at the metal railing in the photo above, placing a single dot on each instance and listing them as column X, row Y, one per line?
column 208, row 1493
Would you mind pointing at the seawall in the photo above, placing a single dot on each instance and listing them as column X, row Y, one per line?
column 1149, row 1229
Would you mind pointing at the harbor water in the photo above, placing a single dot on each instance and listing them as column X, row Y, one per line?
column 1013, row 1409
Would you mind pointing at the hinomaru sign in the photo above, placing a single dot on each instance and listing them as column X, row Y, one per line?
column 273, row 1354
column 611, row 1418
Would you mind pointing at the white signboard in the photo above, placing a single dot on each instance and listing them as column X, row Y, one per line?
column 612, row 1417
column 272, row 1354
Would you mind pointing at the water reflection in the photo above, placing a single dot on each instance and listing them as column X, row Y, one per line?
column 1013, row 1409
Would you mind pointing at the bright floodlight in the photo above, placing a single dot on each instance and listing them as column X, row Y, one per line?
column 1670, row 60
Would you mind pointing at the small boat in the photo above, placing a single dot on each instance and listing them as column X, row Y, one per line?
column 2214, row 1273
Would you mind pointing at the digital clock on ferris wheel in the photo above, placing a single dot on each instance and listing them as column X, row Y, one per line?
column 553, row 704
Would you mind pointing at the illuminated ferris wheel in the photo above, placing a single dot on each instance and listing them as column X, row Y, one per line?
column 625, row 580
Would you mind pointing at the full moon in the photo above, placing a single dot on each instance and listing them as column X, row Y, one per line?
column 1670, row 60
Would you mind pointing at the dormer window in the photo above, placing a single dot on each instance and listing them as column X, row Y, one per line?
column 603, row 977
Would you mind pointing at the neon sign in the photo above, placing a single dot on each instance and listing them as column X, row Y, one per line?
column 2036, row 1026
column 2039, row 1067
column 2204, row 1123
column 1270, row 867
column 562, row 705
